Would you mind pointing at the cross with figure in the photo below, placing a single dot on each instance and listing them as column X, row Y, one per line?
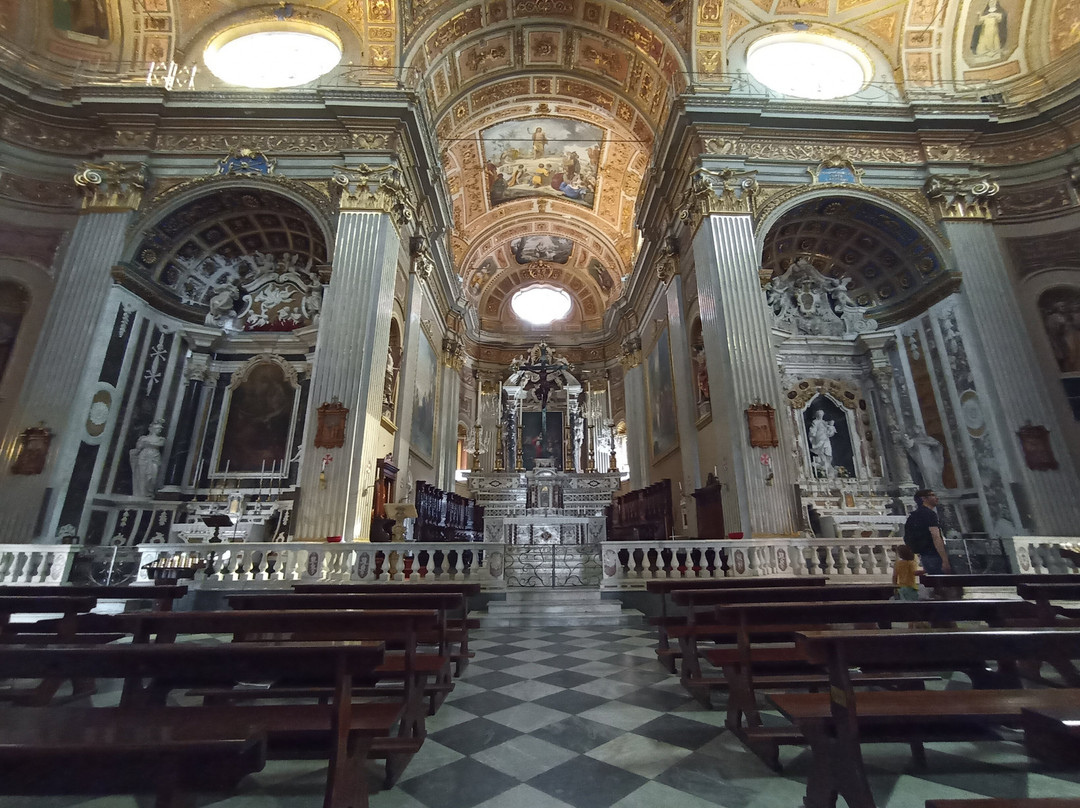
column 542, row 369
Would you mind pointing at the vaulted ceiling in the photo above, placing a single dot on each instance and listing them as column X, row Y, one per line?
column 547, row 111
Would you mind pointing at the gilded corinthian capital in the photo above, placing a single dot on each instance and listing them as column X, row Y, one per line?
column 111, row 187
column 719, row 192
column 962, row 196
column 378, row 188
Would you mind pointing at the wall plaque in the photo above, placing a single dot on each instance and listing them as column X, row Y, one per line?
column 761, row 421
column 330, row 433
column 1035, row 442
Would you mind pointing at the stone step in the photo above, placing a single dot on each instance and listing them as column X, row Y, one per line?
column 556, row 607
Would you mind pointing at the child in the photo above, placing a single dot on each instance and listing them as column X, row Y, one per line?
column 905, row 573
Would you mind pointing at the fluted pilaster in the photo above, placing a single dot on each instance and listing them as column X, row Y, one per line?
column 350, row 363
column 685, row 398
column 73, row 338
column 1013, row 372
column 636, row 415
column 737, row 331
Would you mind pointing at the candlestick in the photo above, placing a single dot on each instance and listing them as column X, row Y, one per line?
column 613, row 464
column 262, row 472
column 591, row 433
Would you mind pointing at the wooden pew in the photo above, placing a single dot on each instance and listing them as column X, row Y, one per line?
column 961, row 581
column 1053, row 735
column 699, row 603
column 838, row 722
column 54, row 630
column 758, row 661
column 228, row 741
column 162, row 596
column 1023, row 802
column 397, row 628
column 664, row 652
column 440, row 636
column 458, row 622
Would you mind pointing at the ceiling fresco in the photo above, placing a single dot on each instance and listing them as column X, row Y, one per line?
column 546, row 112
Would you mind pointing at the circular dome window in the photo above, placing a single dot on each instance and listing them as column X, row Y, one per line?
column 809, row 65
column 264, row 57
column 541, row 305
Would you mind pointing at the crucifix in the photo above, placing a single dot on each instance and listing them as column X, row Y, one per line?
column 542, row 368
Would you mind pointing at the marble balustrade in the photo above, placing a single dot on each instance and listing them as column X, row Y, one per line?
column 279, row 565
column 1039, row 555
column 37, row 564
column 625, row 565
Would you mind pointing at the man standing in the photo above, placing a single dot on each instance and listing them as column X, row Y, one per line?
column 922, row 534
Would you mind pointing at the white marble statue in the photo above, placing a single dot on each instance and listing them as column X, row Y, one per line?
column 145, row 461
column 222, row 303
column 804, row 301
column 929, row 457
column 820, row 433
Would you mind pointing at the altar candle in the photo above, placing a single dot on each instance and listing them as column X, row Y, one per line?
column 198, row 472
column 262, row 473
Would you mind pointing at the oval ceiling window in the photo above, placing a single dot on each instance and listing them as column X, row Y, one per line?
column 266, row 56
column 809, row 65
column 541, row 305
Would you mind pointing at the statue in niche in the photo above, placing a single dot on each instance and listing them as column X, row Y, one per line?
column 389, row 386
column 820, row 433
column 929, row 457
column 223, row 303
column 701, row 374
column 145, row 461
column 579, row 440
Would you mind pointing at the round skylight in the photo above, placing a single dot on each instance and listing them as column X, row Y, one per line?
column 265, row 58
column 808, row 65
column 541, row 305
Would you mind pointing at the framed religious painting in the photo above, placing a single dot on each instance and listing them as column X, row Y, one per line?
column 330, row 431
column 761, row 424
column 1035, row 443
column 260, row 415
column 422, row 438
column 663, row 423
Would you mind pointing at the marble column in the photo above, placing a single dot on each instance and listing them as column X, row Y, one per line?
column 1017, row 393
column 73, row 341
column 350, row 356
column 685, row 399
column 453, row 359
column 637, row 433
column 737, row 331
column 421, row 265
column 892, row 430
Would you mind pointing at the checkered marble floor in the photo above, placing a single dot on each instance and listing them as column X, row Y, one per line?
column 586, row 718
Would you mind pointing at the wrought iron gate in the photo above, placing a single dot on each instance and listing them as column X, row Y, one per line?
column 552, row 565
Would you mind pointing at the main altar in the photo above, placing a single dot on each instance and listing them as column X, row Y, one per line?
column 542, row 488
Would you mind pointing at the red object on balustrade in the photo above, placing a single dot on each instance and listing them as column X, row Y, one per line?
column 734, row 535
column 333, row 539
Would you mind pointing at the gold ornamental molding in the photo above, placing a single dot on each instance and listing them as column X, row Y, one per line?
column 111, row 187
column 631, row 353
column 379, row 189
column 668, row 262
column 962, row 197
column 727, row 192
column 453, row 354
column 423, row 264
column 910, row 201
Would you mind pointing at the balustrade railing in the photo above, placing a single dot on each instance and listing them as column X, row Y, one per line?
column 36, row 563
column 630, row 565
column 269, row 565
column 1041, row 555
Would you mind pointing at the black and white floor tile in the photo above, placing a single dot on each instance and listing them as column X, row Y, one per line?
column 586, row 718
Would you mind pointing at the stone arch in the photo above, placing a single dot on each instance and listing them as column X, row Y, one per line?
column 898, row 263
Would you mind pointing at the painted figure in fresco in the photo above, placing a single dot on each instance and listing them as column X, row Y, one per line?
column 539, row 142
column 145, row 461
column 87, row 17
column 991, row 30
column 518, row 176
column 820, row 433
column 539, row 179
